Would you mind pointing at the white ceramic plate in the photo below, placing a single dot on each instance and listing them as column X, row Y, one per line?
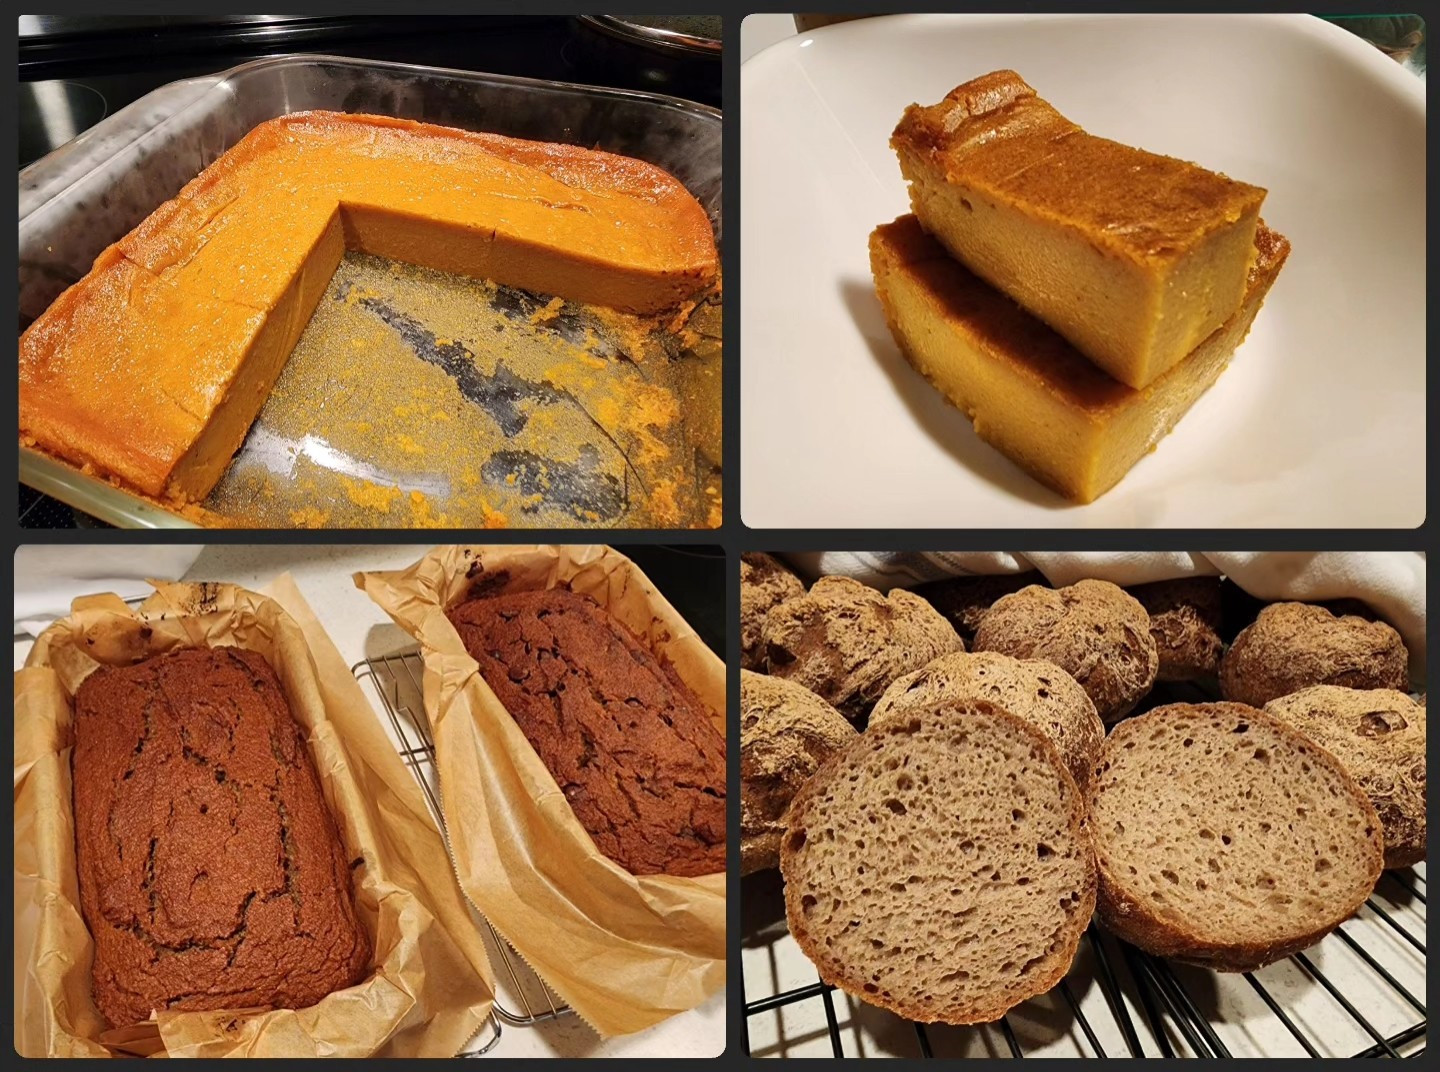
column 1320, row 420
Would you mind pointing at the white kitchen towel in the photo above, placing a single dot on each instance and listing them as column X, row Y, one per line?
column 1390, row 582
column 902, row 569
column 47, row 578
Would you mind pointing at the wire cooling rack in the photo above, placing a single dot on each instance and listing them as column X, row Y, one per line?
column 522, row 998
column 1352, row 995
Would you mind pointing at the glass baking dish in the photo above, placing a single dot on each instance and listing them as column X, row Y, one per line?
column 92, row 191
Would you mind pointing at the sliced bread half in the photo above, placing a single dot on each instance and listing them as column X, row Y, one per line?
column 1225, row 838
column 1379, row 734
column 1035, row 690
column 939, row 866
column 786, row 732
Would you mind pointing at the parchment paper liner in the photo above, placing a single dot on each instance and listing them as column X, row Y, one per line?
column 430, row 987
column 624, row 952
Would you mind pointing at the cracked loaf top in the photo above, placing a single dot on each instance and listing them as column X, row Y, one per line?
column 211, row 873
column 633, row 749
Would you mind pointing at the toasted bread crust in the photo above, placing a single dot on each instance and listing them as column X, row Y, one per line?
column 846, row 641
column 1093, row 630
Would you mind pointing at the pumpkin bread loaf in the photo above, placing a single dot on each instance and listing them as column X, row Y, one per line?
column 211, row 873
column 632, row 748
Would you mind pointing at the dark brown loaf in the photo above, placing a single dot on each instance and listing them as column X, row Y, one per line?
column 633, row 749
column 211, row 873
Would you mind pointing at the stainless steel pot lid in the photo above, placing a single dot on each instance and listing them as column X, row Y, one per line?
column 690, row 34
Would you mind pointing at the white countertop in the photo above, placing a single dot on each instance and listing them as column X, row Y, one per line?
column 360, row 629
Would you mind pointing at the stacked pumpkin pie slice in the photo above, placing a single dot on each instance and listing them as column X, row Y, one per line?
column 1073, row 296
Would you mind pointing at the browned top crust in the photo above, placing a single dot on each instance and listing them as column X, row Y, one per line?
column 211, row 873
column 632, row 748
column 1092, row 630
column 1185, row 623
column 846, row 642
column 1292, row 646
column 965, row 600
column 764, row 583
column 997, row 135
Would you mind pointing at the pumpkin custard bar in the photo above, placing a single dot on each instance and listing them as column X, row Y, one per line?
column 150, row 370
column 1134, row 257
column 1031, row 394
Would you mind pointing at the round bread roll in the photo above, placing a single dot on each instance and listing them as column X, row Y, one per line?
column 764, row 584
column 786, row 732
column 1092, row 630
column 1225, row 838
column 1185, row 625
column 1292, row 646
column 846, row 642
column 965, row 600
column 1033, row 689
column 940, row 865
column 1379, row 735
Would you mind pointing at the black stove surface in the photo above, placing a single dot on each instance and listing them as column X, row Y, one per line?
column 76, row 70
